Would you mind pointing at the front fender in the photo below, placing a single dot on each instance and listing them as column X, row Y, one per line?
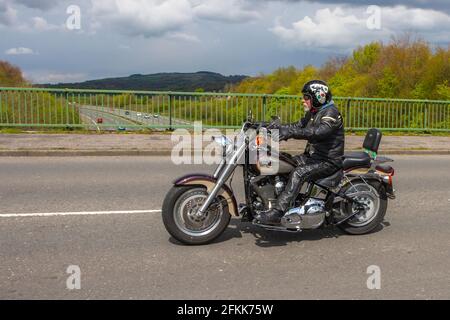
column 208, row 181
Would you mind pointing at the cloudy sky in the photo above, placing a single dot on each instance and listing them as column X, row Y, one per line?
column 123, row 37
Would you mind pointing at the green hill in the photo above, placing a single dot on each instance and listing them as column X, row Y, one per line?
column 208, row 81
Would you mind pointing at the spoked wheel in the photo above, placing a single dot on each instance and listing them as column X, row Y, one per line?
column 372, row 201
column 181, row 218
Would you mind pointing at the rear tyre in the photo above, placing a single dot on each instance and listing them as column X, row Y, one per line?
column 178, row 213
column 373, row 196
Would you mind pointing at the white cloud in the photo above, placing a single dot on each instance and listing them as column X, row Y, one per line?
column 227, row 10
column 38, row 4
column 154, row 18
column 441, row 5
column 343, row 30
column 40, row 24
column 8, row 15
column 143, row 17
column 54, row 77
column 19, row 51
column 184, row 37
column 417, row 19
column 326, row 29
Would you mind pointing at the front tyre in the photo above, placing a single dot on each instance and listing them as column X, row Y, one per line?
column 178, row 213
column 372, row 194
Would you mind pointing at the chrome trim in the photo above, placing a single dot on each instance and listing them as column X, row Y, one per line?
column 229, row 168
column 219, row 169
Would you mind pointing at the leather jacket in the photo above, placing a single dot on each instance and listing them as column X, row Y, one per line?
column 324, row 130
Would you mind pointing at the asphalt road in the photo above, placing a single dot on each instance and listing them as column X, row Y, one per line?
column 130, row 256
column 113, row 117
column 110, row 120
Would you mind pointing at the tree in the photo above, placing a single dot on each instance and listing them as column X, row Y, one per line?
column 406, row 67
column 443, row 91
column 389, row 84
column 11, row 76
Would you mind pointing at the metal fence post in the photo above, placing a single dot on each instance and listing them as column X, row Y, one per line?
column 264, row 105
column 67, row 106
column 169, row 95
column 347, row 112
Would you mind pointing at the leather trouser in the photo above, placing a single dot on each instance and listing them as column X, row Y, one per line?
column 307, row 169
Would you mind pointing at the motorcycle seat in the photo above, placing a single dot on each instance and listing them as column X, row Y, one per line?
column 331, row 181
column 356, row 160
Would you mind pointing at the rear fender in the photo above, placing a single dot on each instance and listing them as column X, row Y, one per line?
column 207, row 181
column 364, row 173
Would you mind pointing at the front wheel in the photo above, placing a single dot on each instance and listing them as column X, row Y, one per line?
column 372, row 195
column 181, row 221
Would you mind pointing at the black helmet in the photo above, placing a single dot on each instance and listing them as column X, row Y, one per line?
column 318, row 91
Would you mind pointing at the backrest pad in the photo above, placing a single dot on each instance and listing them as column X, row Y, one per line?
column 372, row 140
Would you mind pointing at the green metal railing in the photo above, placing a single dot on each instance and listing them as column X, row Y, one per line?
column 135, row 110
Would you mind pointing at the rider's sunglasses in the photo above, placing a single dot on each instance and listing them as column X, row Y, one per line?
column 306, row 97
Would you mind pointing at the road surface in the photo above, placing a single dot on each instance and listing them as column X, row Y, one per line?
column 129, row 255
column 113, row 118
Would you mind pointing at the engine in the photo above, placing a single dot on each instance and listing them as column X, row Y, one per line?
column 267, row 188
column 309, row 216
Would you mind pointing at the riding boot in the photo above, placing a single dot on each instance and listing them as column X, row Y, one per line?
column 271, row 216
column 274, row 215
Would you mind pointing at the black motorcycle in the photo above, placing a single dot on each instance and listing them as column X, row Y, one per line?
column 198, row 207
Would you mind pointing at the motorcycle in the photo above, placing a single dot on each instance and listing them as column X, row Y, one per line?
column 198, row 207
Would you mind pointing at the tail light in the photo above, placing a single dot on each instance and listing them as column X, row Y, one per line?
column 388, row 179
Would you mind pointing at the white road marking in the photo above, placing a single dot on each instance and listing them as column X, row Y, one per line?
column 95, row 124
column 82, row 213
column 92, row 120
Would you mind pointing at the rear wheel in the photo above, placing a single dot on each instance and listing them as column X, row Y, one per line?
column 181, row 221
column 372, row 196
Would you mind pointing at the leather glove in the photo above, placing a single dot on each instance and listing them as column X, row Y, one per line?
column 281, row 134
column 262, row 124
column 275, row 136
column 273, row 126
column 284, row 133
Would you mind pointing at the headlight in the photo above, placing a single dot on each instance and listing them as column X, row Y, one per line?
column 222, row 140
column 226, row 143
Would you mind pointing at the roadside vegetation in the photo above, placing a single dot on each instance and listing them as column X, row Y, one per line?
column 403, row 68
column 32, row 107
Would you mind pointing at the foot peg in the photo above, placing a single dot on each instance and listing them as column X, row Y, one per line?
column 275, row 227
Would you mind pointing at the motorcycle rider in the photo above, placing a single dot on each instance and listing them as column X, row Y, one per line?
column 323, row 128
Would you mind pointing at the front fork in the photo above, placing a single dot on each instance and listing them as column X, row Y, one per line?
column 222, row 173
column 248, row 211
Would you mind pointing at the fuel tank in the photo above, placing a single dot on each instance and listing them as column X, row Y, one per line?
column 270, row 165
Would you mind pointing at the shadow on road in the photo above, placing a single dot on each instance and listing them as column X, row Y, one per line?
column 265, row 238
column 233, row 231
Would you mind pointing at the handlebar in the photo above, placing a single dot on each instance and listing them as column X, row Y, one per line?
column 264, row 124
